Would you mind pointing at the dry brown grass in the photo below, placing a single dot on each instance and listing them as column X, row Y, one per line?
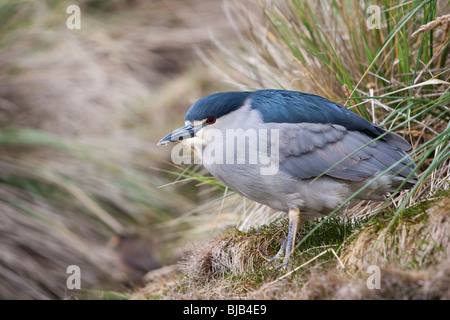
column 395, row 284
column 440, row 21
column 416, row 241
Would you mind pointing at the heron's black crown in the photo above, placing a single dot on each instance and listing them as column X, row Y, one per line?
column 216, row 105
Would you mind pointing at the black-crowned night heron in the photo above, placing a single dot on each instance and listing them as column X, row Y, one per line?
column 294, row 152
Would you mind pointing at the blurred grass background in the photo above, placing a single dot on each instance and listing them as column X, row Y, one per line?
column 82, row 181
column 80, row 114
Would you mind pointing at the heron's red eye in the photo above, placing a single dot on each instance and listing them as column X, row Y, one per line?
column 211, row 120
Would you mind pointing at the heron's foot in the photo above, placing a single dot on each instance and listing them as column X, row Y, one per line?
column 274, row 259
column 287, row 247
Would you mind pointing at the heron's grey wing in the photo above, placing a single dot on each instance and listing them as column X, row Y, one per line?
column 308, row 150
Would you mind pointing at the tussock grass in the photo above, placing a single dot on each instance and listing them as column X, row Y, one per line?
column 417, row 240
column 413, row 261
column 230, row 266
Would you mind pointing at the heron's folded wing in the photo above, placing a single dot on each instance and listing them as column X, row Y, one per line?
column 308, row 150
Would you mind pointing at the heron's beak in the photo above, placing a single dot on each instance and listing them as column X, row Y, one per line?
column 186, row 132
